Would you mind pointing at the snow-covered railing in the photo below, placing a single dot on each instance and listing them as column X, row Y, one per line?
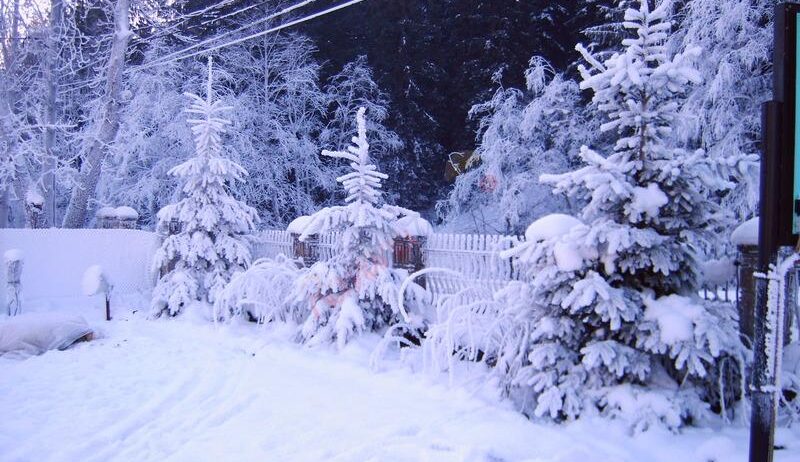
column 475, row 256
column 270, row 243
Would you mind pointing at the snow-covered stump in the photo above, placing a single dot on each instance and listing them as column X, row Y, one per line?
column 13, row 260
column 95, row 282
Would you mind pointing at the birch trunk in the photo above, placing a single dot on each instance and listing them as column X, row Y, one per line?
column 50, row 163
column 96, row 147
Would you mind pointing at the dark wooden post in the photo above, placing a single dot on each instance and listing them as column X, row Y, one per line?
column 305, row 250
column 409, row 254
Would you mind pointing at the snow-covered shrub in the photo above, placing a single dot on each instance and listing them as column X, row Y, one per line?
column 357, row 289
column 605, row 319
column 210, row 245
column 521, row 135
column 261, row 292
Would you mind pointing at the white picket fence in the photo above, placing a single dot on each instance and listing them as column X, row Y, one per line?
column 474, row 256
column 270, row 243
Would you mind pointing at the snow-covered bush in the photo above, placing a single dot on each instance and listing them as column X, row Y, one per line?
column 604, row 319
column 357, row 289
column 210, row 245
column 261, row 292
column 521, row 135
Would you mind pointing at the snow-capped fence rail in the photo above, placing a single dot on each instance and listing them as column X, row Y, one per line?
column 56, row 259
column 475, row 256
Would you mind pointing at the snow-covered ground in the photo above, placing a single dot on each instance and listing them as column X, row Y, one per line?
column 190, row 391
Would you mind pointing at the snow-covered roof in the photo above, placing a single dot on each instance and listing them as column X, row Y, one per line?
column 298, row 224
column 413, row 225
column 746, row 233
column 126, row 213
column 549, row 226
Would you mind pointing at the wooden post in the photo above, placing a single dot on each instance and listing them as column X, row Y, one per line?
column 108, row 308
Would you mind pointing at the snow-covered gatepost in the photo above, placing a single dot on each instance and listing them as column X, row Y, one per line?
column 606, row 318
column 209, row 245
column 745, row 238
column 357, row 289
column 13, row 261
column 409, row 245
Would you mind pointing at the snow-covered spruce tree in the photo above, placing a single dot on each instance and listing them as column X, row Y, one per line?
column 604, row 320
column 210, row 245
column 357, row 289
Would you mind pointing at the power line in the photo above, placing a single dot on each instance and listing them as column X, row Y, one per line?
column 218, row 37
column 252, row 36
column 162, row 59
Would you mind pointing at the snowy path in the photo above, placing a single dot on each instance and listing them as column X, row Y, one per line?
column 174, row 391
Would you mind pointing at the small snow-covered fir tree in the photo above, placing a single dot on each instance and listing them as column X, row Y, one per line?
column 357, row 289
column 605, row 319
column 210, row 245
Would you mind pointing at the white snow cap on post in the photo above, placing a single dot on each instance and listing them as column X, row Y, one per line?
column 413, row 225
column 550, row 226
column 95, row 281
column 126, row 213
column 106, row 212
column 12, row 255
column 746, row 233
column 298, row 224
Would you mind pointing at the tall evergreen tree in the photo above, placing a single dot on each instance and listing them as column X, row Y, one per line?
column 209, row 247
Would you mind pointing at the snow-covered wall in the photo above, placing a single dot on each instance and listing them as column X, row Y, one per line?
column 56, row 259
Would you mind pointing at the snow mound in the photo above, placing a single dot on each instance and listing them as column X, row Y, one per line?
column 550, row 226
column 298, row 224
column 413, row 225
column 126, row 213
column 675, row 316
column 746, row 233
column 94, row 281
column 648, row 200
column 12, row 255
column 719, row 271
column 33, row 334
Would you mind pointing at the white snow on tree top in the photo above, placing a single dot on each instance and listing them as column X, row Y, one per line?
column 648, row 201
column 413, row 225
column 550, row 226
column 675, row 316
column 746, row 233
column 126, row 212
column 12, row 255
column 298, row 224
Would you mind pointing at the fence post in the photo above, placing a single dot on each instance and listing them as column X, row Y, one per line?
column 745, row 301
column 13, row 260
column 409, row 254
